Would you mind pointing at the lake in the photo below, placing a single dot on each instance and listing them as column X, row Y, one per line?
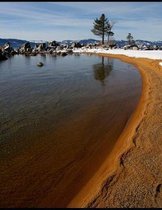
column 58, row 123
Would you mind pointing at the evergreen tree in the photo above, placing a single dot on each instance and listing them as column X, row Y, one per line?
column 100, row 27
column 109, row 31
column 130, row 39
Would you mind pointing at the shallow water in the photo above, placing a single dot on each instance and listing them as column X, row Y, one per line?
column 58, row 123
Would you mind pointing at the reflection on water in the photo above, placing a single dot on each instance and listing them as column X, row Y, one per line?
column 102, row 70
column 27, row 60
column 56, row 122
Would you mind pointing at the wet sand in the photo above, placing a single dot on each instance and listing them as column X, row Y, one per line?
column 53, row 168
column 132, row 174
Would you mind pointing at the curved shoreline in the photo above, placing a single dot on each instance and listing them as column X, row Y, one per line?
column 113, row 185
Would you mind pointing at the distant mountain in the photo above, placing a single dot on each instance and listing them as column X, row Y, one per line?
column 83, row 41
column 122, row 43
column 145, row 42
column 37, row 41
column 14, row 42
column 17, row 42
column 67, row 42
column 88, row 41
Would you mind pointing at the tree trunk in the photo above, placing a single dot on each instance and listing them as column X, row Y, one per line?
column 108, row 40
column 103, row 38
column 103, row 34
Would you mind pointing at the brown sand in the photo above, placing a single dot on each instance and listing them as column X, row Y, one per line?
column 132, row 175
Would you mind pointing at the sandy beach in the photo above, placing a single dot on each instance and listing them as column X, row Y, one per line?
column 131, row 175
column 124, row 174
column 81, row 105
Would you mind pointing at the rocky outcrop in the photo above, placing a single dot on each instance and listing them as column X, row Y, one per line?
column 131, row 47
column 25, row 48
column 2, row 56
column 76, row 45
column 6, row 51
column 40, row 47
column 53, row 44
column 53, row 48
column 64, row 53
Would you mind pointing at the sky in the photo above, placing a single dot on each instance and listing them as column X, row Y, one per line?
column 74, row 20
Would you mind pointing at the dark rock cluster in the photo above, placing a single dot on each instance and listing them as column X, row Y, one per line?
column 54, row 48
column 7, row 51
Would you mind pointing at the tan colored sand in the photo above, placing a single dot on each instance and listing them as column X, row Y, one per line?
column 132, row 175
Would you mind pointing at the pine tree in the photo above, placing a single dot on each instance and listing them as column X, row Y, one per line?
column 100, row 27
column 130, row 39
column 109, row 31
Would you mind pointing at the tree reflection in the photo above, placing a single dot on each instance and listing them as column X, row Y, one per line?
column 102, row 70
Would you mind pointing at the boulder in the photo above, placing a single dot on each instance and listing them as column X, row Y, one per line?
column 58, row 48
column 26, row 47
column 41, row 47
column 63, row 53
column 76, row 45
column 40, row 64
column 7, row 46
column 69, row 51
column 2, row 56
column 7, row 49
column 135, row 48
column 58, row 52
column 53, row 44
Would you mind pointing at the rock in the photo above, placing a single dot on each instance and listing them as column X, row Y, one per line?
column 2, row 56
column 135, row 48
column 53, row 44
column 63, row 53
column 76, row 44
column 58, row 52
column 8, row 50
column 7, row 46
column 69, row 51
column 25, row 48
column 50, row 51
column 40, row 64
column 13, row 53
column 41, row 47
column 33, row 54
column 131, row 47
column 126, row 47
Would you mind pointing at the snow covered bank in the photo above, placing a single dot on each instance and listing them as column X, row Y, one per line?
column 152, row 54
column 160, row 63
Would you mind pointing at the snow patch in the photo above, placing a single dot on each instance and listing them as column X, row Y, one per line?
column 151, row 54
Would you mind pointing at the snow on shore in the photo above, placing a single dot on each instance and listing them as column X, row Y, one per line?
column 152, row 54
column 160, row 63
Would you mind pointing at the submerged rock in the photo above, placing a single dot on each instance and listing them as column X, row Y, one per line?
column 40, row 64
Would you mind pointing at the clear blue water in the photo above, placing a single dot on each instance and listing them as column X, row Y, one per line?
column 32, row 97
column 65, row 111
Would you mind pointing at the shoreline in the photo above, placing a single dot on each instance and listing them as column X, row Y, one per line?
column 110, row 186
